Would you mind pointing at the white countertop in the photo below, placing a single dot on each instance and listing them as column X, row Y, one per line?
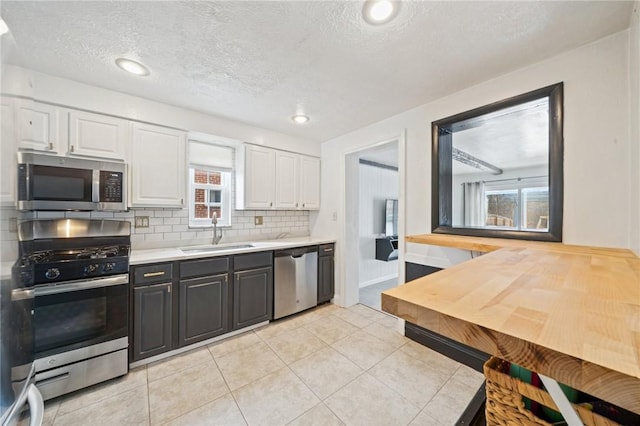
column 5, row 269
column 175, row 253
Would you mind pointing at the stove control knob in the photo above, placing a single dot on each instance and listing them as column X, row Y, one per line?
column 52, row 273
column 109, row 267
column 89, row 269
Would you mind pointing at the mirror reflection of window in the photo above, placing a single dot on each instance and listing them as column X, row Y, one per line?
column 496, row 156
column 498, row 169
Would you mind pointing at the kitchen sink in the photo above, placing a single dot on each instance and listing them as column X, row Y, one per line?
column 212, row 249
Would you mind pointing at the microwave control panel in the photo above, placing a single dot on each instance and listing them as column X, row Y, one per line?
column 111, row 186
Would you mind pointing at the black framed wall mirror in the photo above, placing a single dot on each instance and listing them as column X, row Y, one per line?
column 497, row 170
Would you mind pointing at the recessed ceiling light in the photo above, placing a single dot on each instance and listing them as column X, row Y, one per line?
column 378, row 12
column 300, row 119
column 132, row 66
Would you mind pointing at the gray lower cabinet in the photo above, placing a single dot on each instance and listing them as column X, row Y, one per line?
column 253, row 297
column 203, row 308
column 326, row 280
column 152, row 320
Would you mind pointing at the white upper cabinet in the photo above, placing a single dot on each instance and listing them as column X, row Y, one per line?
column 97, row 135
column 287, row 165
column 259, row 178
column 268, row 179
column 38, row 126
column 309, row 193
column 157, row 168
column 61, row 131
column 8, row 156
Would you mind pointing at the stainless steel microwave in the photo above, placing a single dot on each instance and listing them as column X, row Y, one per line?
column 47, row 182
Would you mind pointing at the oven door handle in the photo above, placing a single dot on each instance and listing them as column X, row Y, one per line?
column 82, row 285
column 22, row 294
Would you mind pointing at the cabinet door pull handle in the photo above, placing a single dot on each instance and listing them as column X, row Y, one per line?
column 271, row 204
column 71, row 148
column 169, row 289
column 153, row 274
column 51, row 146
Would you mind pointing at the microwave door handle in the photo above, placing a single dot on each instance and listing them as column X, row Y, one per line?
column 95, row 187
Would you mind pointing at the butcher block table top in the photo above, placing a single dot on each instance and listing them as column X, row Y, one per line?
column 569, row 312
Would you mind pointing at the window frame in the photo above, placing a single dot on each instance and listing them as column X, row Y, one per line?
column 442, row 177
column 520, row 189
column 226, row 175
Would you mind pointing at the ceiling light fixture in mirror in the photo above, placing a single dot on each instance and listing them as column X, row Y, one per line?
column 497, row 169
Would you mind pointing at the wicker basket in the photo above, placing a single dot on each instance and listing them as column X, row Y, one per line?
column 505, row 406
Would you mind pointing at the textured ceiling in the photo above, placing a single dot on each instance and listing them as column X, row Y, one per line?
column 511, row 138
column 258, row 62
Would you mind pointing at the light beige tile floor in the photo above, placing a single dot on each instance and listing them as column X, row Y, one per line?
column 328, row 366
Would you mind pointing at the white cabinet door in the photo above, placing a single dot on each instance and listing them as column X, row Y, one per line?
column 8, row 165
column 309, row 183
column 97, row 135
column 287, row 169
column 157, row 166
column 259, row 177
column 37, row 126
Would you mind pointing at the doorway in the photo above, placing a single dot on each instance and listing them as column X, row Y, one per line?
column 374, row 211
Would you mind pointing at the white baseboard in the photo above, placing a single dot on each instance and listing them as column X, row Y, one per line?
column 378, row 280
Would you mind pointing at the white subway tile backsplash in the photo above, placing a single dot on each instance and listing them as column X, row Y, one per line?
column 155, row 221
column 149, row 230
column 171, row 225
column 164, row 213
column 153, row 237
column 171, row 236
column 128, row 214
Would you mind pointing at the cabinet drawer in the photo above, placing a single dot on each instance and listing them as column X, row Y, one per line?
column 326, row 250
column 202, row 267
column 252, row 260
column 149, row 274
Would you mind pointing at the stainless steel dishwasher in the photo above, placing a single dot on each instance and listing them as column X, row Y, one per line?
column 295, row 280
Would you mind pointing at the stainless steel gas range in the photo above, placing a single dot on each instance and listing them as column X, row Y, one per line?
column 78, row 271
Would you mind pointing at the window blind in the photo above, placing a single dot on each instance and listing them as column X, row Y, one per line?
column 210, row 155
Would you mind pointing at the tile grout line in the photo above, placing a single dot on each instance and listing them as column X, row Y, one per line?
column 235, row 401
column 146, row 373
column 208, row 402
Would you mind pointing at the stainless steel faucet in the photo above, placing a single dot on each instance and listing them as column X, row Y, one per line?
column 216, row 237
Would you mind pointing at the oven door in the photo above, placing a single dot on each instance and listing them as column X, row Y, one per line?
column 78, row 314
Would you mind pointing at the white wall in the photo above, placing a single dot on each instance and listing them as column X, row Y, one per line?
column 47, row 88
column 598, row 185
column 375, row 186
column 634, row 119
